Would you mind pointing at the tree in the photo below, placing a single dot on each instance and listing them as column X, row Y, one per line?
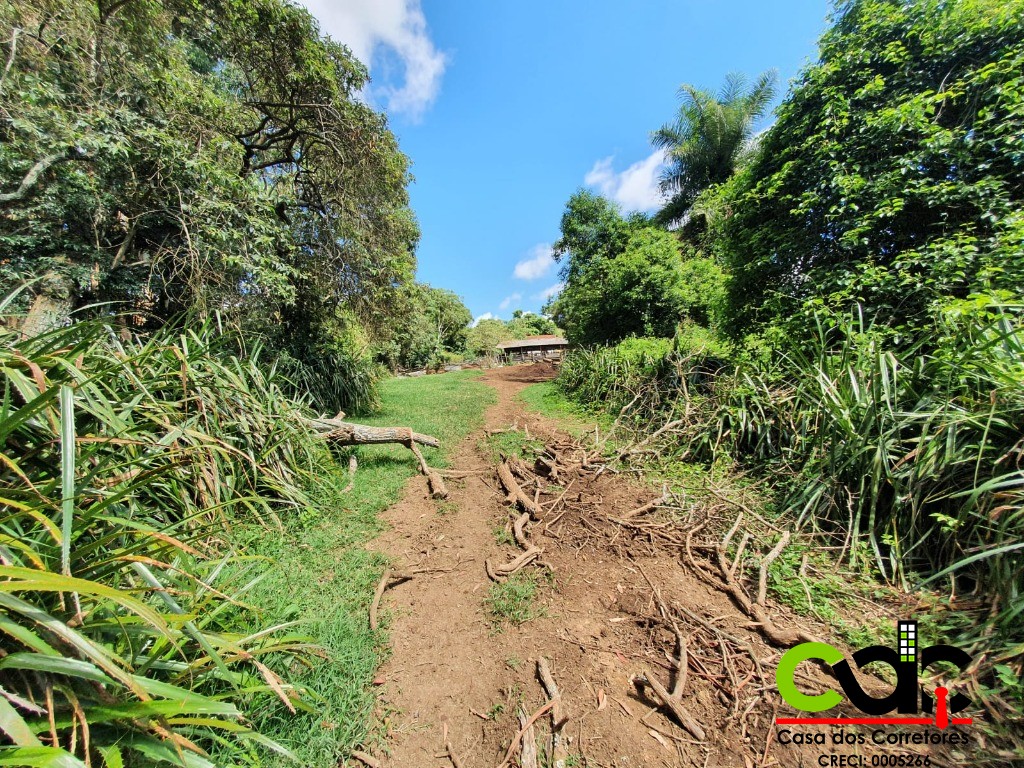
column 484, row 337
column 525, row 324
column 892, row 179
column 626, row 277
column 432, row 326
column 592, row 228
column 711, row 138
column 184, row 155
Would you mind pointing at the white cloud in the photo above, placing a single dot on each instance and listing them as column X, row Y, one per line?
column 484, row 316
column 536, row 265
column 398, row 26
column 550, row 291
column 509, row 300
column 636, row 188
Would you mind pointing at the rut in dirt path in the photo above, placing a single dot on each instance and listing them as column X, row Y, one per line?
column 452, row 679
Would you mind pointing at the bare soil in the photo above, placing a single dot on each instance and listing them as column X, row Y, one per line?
column 452, row 674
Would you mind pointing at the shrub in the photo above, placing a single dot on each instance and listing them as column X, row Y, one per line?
column 122, row 462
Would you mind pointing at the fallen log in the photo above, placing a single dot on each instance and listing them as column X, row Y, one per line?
column 349, row 433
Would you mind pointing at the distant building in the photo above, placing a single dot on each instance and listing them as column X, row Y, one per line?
column 545, row 347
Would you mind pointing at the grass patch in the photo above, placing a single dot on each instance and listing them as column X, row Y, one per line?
column 322, row 577
column 515, row 601
column 547, row 399
column 512, row 443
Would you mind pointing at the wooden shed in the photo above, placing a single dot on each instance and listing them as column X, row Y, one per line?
column 545, row 347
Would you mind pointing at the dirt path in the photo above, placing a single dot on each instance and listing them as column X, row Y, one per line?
column 451, row 671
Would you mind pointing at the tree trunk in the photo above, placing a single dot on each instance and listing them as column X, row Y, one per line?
column 50, row 307
column 347, row 433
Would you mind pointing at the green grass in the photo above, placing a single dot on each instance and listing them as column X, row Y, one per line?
column 323, row 575
column 548, row 400
column 515, row 601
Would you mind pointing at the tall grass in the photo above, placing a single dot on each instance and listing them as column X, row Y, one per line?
column 122, row 464
column 910, row 454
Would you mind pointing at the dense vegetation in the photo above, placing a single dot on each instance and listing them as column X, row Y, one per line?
column 124, row 616
column 857, row 344
column 483, row 338
column 178, row 156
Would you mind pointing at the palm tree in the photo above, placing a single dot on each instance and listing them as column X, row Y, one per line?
column 711, row 138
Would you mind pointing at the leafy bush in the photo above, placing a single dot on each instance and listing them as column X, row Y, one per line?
column 892, row 177
column 122, row 462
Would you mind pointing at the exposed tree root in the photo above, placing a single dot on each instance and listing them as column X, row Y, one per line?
column 516, row 495
column 725, row 580
column 388, row 579
column 650, row 506
column 502, row 572
column 559, row 753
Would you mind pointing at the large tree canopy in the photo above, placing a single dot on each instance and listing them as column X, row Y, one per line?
column 894, row 176
column 174, row 154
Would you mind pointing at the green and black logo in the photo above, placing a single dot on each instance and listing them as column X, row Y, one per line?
column 909, row 697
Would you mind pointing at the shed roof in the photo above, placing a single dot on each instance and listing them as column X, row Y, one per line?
column 535, row 341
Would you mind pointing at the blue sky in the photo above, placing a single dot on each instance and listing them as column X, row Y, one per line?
column 507, row 107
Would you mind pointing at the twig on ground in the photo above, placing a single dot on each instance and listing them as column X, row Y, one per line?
column 528, row 752
column 368, row 760
column 388, row 579
column 558, row 717
column 518, row 737
column 650, row 506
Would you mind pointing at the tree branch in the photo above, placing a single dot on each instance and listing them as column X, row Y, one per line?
column 38, row 170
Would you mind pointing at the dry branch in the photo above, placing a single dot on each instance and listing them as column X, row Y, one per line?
column 528, row 754
column 436, row 483
column 675, row 706
column 348, row 433
column 755, row 609
column 365, row 759
column 353, row 465
column 515, row 492
column 558, row 717
column 515, row 742
column 650, row 506
column 388, row 579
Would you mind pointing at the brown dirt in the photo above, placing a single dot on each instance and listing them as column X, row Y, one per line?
column 450, row 670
